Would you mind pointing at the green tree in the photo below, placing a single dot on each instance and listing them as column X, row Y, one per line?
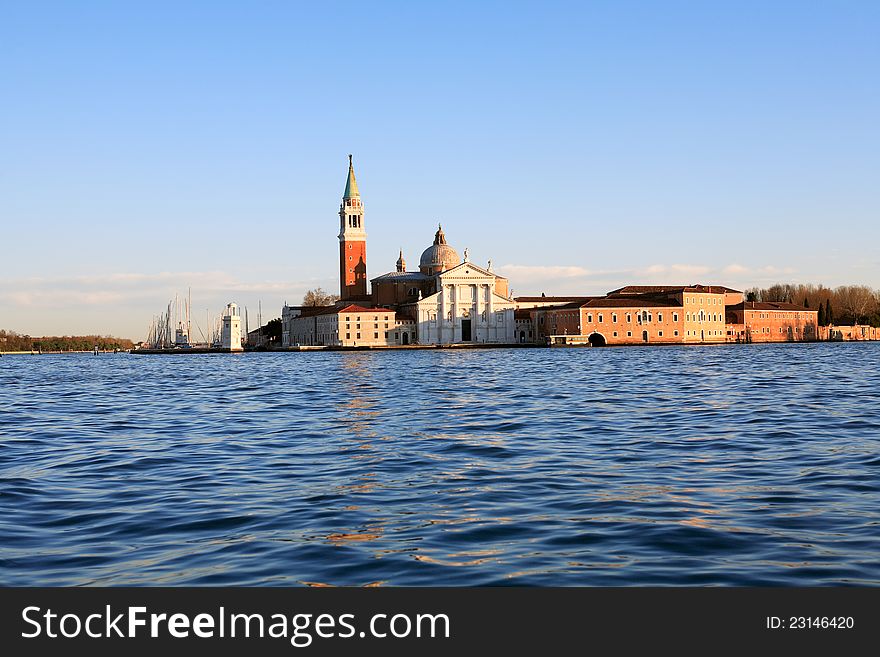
column 821, row 318
column 829, row 313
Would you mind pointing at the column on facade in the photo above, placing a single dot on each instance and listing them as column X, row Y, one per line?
column 441, row 314
column 490, row 306
column 455, row 301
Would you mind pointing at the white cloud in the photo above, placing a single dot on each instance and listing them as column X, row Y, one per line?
column 690, row 270
column 543, row 272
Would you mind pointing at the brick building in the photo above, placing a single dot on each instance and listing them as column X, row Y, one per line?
column 351, row 326
column 771, row 321
column 633, row 315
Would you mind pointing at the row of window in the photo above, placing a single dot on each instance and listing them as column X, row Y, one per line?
column 375, row 318
column 704, row 317
column 358, row 326
column 484, row 316
column 357, row 336
column 795, row 315
column 629, row 334
column 643, row 317
column 713, row 301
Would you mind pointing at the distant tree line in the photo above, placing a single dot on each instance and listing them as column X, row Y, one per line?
column 12, row 341
column 843, row 306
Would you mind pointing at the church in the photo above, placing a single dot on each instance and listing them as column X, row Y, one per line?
column 449, row 300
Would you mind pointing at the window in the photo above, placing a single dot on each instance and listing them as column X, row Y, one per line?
column 600, row 319
column 358, row 336
column 614, row 318
column 675, row 333
column 675, row 319
column 590, row 318
column 358, row 326
column 449, row 316
column 375, row 336
column 659, row 317
column 660, row 334
column 615, row 334
column 348, row 336
column 629, row 318
column 629, row 334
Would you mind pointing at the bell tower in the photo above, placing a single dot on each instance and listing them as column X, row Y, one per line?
column 352, row 242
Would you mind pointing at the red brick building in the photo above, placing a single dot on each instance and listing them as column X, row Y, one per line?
column 771, row 321
column 634, row 315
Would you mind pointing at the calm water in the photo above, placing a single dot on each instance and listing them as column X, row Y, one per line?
column 726, row 465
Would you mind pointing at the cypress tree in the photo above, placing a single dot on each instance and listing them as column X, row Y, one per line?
column 829, row 313
column 821, row 320
column 806, row 302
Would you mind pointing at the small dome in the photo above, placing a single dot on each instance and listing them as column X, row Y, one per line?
column 439, row 256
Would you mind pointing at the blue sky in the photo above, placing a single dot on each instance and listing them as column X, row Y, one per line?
column 148, row 147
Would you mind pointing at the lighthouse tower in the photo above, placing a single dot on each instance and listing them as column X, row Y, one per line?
column 352, row 242
column 230, row 336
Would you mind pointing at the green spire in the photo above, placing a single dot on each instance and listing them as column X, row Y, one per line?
column 351, row 186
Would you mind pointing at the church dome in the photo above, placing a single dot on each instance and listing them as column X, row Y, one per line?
column 439, row 256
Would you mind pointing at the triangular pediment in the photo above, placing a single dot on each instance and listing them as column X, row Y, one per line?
column 467, row 270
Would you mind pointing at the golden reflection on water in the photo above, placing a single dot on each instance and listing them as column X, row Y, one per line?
column 322, row 585
column 341, row 538
column 468, row 558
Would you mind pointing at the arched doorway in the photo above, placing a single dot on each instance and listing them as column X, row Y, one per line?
column 644, row 336
column 522, row 336
column 405, row 337
column 596, row 340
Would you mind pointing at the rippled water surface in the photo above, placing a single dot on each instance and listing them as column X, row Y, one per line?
column 731, row 465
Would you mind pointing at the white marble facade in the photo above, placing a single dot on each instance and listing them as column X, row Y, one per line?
column 466, row 308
